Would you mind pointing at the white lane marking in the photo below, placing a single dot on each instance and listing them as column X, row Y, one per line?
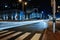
column 10, row 36
column 23, row 36
column 36, row 36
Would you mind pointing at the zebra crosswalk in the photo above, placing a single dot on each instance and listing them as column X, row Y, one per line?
column 19, row 35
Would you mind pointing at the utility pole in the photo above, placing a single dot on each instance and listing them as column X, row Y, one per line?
column 54, row 18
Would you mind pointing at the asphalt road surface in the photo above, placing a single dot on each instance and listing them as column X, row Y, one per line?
column 37, row 24
column 31, row 30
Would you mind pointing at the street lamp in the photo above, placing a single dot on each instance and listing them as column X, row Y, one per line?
column 25, row 3
column 54, row 11
column 23, row 6
column 20, row 0
column 6, row 6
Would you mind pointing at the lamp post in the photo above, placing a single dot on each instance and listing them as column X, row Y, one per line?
column 20, row 0
column 23, row 6
column 54, row 18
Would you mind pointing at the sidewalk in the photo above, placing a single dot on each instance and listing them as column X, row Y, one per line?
column 49, row 35
column 52, row 36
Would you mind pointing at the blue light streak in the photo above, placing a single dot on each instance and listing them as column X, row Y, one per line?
column 42, row 24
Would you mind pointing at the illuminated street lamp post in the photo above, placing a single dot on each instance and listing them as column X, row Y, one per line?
column 23, row 3
column 23, row 6
column 20, row 0
column 54, row 18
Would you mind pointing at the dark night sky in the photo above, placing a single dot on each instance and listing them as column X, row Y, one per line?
column 14, row 4
column 58, row 2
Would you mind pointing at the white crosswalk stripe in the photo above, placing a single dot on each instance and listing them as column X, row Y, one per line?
column 7, row 33
column 36, row 36
column 3, row 31
column 23, row 36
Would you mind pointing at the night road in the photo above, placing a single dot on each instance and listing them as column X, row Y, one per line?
column 31, row 31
